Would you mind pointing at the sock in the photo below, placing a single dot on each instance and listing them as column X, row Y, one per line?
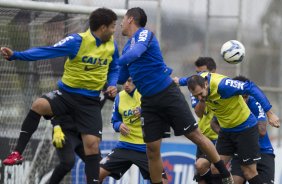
column 92, row 168
column 222, row 169
column 158, row 183
column 29, row 126
column 216, row 179
column 255, row 180
column 207, row 177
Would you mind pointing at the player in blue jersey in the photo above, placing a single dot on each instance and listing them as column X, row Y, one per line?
column 266, row 164
column 131, row 148
column 91, row 62
column 223, row 96
column 161, row 99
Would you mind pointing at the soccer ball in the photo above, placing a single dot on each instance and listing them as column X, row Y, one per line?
column 233, row 52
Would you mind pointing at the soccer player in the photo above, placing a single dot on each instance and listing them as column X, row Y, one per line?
column 161, row 99
column 266, row 165
column 91, row 62
column 223, row 96
column 202, row 164
column 131, row 148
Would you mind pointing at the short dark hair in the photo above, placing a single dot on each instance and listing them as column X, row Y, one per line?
column 241, row 78
column 101, row 16
column 195, row 80
column 138, row 15
column 206, row 61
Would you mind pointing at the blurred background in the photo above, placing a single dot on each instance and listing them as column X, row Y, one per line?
column 186, row 30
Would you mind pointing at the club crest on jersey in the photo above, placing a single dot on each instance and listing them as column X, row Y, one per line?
column 235, row 84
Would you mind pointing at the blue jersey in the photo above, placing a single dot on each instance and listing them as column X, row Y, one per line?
column 264, row 142
column 69, row 47
column 142, row 60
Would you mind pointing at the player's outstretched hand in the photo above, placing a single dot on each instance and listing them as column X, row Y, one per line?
column 124, row 130
column 176, row 80
column 111, row 91
column 58, row 137
column 273, row 119
column 6, row 52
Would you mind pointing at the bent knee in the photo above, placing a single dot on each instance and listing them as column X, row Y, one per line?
column 41, row 106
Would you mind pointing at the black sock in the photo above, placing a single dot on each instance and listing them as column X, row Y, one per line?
column 216, row 179
column 255, row 180
column 222, row 169
column 58, row 174
column 158, row 183
column 92, row 168
column 29, row 126
column 207, row 177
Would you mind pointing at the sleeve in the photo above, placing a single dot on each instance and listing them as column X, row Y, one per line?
column 69, row 46
column 257, row 110
column 194, row 101
column 116, row 117
column 123, row 75
column 114, row 68
column 228, row 87
column 143, row 41
column 183, row 81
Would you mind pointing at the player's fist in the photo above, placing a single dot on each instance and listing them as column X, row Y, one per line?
column 111, row 91
column 176, row 80
column 273, row 119
column 6, row 52
column 58, row 137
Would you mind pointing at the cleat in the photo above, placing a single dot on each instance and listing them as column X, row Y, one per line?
column 228, row 180
column 14, row 158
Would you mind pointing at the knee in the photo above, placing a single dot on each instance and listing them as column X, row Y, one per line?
column 196, row 137
column 41, row 106
column 91, row 146
column 249, row 171
column 153, row 151
column 202, row 166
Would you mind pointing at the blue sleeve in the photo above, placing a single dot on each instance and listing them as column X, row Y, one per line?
column 183, row 81
column 69, row 46
column 123, row 75
column 143, row 40
column 256, row 109
column 228, row 87
column 132, row 54
column 194, row 100
column 116, row 117
column 114, row 68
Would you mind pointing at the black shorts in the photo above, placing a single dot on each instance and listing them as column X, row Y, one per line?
column 244, row 143
column 265, row 168
column 120, row 160
column 167, row 107
column 85, row 111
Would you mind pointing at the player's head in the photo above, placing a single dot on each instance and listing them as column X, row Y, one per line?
column 104, row 21
column 198, row 86
column 129, row 86
column 134, row 16
column 205, row 64
column 243, row 79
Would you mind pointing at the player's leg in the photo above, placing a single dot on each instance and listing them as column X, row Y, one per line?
column 41, row 107
column 203, row 175
column 66, row 156
column 236, row 171
column 88, row 120
column 115, row 164
column 249, row 153
column 140, row 159
column 266, row 168
column 175, row 106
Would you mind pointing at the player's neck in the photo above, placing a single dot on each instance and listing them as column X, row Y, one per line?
column 132, row 31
